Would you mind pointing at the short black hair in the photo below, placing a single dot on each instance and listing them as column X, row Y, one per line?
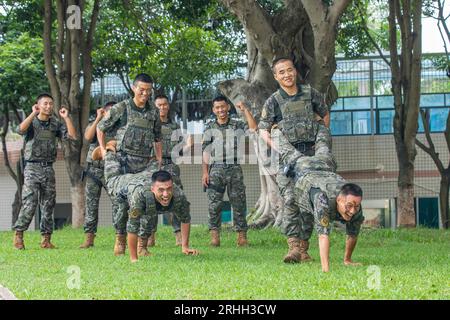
column 161, row 176
column 220, row 98
column 43, row 95
column 142, row 77
column 351, row 188
column 110, row 103
column 162, row 96
column 281, row 59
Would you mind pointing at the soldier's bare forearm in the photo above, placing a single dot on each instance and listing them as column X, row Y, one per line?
column 91, row 130
column 326, row 119
column 101, row 138
column 70, row 128
column 185, row 231
column 324, row 249
column 265, row 135
column 25, row 124
column 350, row 244
column 132, row 246
column 205, row 162
column 250, row 120
column 158, row 150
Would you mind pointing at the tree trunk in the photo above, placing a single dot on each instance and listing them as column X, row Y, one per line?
column 406, row 70
column 406, row 214
column 443, row 200
column 78, row 204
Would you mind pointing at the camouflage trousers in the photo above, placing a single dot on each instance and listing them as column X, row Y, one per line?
column 231, row 178
column 292, row 220
column 94, row 182
column 39, row 188
column 122, row 188
column 174, row 170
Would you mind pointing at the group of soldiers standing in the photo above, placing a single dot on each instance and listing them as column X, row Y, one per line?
column 131, row 155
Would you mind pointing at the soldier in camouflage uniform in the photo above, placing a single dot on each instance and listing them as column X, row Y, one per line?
column 224, row 172
column 170, row 131
column 146, row 193
column 41, row 130
column 294, row 109
column 323, row 197
column 94, row 175
column 138, row 132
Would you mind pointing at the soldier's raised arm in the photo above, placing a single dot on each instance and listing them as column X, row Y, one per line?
column 26, row 123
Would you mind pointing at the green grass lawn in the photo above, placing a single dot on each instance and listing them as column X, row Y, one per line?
column 411, row 264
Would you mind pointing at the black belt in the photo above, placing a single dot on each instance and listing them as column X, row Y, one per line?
column 42, row 163
column 166, row 161
column 225, row 165
column 303, row 146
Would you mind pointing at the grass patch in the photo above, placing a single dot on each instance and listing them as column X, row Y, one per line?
column 413, row 264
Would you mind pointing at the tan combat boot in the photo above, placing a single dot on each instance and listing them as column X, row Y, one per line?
column 178, row 242
column 151, row 240
column 304, row 256
column 18, row 240
column 120, row 244
column 215, row 238
column 242, row 239
column 89, row 242
column 293, row 255
column 45, row 243
column 142, row 247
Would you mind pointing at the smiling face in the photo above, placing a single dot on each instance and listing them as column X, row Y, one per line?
column 285, row 74
column 163, row 192
column 348, row 206
column 142, row 92
column 45, row 105
column 221, row 109
column 163, row 105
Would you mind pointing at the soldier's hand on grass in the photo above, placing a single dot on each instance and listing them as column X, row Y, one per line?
column 35, row 109
column 63, row 112
column 351, row 263
column 190, row 252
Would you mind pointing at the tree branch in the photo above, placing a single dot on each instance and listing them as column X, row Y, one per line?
column 366, row 31
column 315, row 9
column 416, row 67
column 49, row 68
column 447, row 132
column 336, row 10
column 442, row 19
column 60, row 6
column 308, row 59
column 258, row 24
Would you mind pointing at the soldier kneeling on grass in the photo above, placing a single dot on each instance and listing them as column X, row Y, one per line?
column 145, row 200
